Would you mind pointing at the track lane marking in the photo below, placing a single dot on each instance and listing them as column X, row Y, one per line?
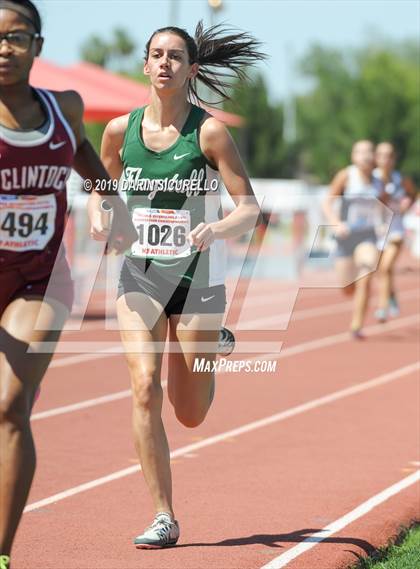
column 286, row 352
column 336, row 526
column 81, row 405
column 117, row 349
column 89, row 326
column 209, row 441
column 307, row 313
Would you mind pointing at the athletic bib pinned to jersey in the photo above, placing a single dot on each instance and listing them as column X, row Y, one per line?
column 170, row 192
column 362, row 213
column 34, row 165
column 27, row 223
column 162, row 232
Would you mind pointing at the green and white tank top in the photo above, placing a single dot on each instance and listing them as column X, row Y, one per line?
column 168, row 194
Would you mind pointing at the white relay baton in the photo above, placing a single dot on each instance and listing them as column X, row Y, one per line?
column 106, row 214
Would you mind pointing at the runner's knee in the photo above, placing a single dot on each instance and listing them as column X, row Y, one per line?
column 348, row 290
column 364, row 282
column 147, row 394
column 384, row 270
column 15, row 411
column 191, row 420
column 191, row 417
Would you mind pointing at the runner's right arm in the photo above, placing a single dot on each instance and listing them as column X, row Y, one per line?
column 89, row 166
column 410, row 194
column 112, row 141
column 336, row 191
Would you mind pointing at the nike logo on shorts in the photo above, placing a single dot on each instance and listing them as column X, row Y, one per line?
column 56, row 145
column 176, row 157
column 207, row 299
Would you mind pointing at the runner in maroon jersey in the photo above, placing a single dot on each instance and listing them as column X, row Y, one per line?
column 41, row 138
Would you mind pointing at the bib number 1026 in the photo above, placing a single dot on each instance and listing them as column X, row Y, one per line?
column 164, row 234
column 24, row 224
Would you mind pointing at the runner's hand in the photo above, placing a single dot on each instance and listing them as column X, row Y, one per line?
column 123, row 232
column 405, row 205
column 98, row 229
column 342, row 230
column 201, row 236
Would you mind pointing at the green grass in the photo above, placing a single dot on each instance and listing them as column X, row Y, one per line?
column 402, row 553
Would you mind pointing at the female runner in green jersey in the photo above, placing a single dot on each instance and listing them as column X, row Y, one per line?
column 168, row 156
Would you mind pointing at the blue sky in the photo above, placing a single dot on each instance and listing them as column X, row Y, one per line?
column 287, row 27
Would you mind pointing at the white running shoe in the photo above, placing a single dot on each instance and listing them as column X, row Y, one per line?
column 163, row 532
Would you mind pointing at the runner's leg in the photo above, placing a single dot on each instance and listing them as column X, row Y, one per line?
column 21, row 373
column 191, row 392
column 347, row 274
column 143, row 323
column 386, row 266
column 365, row 258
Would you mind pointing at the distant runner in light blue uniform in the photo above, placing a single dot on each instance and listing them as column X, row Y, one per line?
column 400, row 194
column 357, row 193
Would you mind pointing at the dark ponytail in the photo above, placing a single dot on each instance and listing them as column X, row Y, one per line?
column 222, row 54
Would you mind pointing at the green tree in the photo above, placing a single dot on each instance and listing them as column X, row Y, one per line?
column 260, row 139
column 123, row 45
column 372, row 93
column 116, row 52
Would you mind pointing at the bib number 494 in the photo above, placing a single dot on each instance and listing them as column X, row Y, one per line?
column 27, row 223
column 24, row 224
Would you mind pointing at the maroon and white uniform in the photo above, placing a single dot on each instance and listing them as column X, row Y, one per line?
column 34, row 168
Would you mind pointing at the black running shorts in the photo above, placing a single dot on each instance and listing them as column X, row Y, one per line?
column 347, row 245
column 175, row 299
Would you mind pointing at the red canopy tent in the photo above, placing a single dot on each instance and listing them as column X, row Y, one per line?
column 133, row 93
column 105, row 94
column 100, row 104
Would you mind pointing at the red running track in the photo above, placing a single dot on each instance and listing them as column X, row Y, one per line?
column 280, row 457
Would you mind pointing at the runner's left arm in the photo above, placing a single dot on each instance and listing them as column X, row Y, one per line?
column 220, row 149
column 89, row 166
column 410, row 194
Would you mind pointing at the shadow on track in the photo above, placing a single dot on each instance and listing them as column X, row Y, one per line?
column 275, row 540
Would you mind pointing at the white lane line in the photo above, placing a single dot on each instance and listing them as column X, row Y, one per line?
column 287, row 352
column 148, row 347
column 306, row 313
column 283, row 415
column 270, row 297
column 285, row 558
column 73, row 360
column 267, row 299
column 81, row 405
column 117, row 349
column 84, row 404
column 345, row 336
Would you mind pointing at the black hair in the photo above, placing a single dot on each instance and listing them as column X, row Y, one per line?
column 29, row 11
column 222, row 54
